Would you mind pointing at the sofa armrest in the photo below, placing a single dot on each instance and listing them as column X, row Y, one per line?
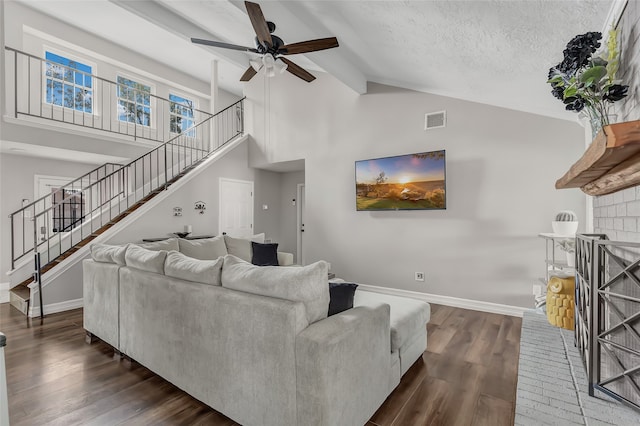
column 285, row 259
column 100, row 282
column 343, row 367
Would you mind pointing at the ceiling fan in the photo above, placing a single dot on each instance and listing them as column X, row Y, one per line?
column 272, row 48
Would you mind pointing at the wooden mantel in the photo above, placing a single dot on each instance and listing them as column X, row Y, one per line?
column 610, row 164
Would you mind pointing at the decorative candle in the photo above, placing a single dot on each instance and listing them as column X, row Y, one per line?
column 187, row 228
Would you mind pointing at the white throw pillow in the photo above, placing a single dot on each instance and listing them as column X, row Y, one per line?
column 306, row 284
column 108, row 253
column 258, row 238
column 203, row 249
column 177, row 265
column 146, row 260
column 239, row 247
column 168, row 245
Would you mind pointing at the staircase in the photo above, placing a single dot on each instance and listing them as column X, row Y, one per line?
column 106, row 196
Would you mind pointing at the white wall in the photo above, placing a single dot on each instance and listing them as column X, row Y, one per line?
column 160, row 221
column 17, row 182
column 501, row 170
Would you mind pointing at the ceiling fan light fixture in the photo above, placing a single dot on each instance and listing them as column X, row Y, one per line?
column 280, row 66
column 256, row 64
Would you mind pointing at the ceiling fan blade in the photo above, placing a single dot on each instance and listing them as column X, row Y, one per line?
column 298, row 71
column 248, row 74
column 309, row 46
column 259, row 23
column 223, row 45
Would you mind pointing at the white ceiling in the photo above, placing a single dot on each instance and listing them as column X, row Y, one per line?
column 494, row 52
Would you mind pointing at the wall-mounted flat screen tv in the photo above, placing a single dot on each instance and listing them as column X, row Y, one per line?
column 404, row 182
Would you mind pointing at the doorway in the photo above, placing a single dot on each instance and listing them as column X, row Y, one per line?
column 300, row 224
column 236, row 208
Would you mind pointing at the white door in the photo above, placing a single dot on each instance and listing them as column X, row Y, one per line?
column 236, row 208
column 300, row 224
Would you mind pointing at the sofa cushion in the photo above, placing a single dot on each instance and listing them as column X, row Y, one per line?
column 178, row 265
column 341, row 297
column 203, row 249
column 306, row 284
column 108, row 254
column 144, row 259
column 238, row 247
column 168, row 245
column 407, row 316
column 264, row 254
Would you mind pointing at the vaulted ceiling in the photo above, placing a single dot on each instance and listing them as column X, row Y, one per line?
column 494, row 52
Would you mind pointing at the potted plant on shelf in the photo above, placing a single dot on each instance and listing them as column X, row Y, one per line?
column 569, row 247
column 585, row 82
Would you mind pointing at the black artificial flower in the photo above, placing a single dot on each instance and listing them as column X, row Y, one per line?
column 576, row 105
column 615, row 93
column 579, row 51
column 558, row 92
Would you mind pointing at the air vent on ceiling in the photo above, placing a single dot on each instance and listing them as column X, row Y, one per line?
column 435, row 120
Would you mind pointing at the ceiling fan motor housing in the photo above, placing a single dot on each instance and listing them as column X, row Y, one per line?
column 276, row 43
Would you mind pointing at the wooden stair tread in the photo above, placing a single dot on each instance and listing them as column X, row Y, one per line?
column 21, row 291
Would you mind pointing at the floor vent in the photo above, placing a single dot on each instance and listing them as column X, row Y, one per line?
column 435, row 120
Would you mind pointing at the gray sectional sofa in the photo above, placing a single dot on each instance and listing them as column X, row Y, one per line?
column 254, row 343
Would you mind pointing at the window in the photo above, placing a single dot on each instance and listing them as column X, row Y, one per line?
column 134, row 102
column 69, row 83
column 68, row 209
column 181, row 115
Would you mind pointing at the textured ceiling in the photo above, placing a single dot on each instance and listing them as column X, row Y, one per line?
column 494, row 52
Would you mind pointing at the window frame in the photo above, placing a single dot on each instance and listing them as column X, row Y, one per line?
column 152, row 99
column 75, row 58
column 194, row 107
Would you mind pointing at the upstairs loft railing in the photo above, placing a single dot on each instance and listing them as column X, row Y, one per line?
column 43, row 89
column 54, row 224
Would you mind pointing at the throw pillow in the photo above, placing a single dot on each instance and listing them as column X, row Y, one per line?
column 238, row 247
column 146, row 260
column 108, row 253
column 341, row 297
column 258, row 238
column 306, row 284
column 177, row 265
column 203, row 249
column 264, row 254
column 168, row 245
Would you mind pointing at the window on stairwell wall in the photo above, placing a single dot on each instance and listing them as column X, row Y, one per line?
column 69, row 83
column 134, row 101
column 181, row 115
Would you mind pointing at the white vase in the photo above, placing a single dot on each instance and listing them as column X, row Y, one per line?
column 571, row 259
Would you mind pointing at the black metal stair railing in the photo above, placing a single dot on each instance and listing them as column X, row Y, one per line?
column 114, row 191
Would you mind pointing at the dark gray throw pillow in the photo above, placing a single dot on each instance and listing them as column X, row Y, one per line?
column 341, row 297
column 264, row 254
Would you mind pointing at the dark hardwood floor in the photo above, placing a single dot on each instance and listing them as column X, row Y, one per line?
column 467, row 377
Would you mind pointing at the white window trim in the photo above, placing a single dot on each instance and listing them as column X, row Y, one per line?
column 195, row 107
column 153, row 105
column 94, row 72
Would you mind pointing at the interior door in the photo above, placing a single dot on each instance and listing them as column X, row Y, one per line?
column 300, row 224
column 236, row 208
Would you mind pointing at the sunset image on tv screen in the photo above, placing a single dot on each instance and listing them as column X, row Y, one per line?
column 405, row 182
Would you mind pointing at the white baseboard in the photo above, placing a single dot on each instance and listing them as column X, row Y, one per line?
column 4, row 292
column 475, row 305
column 34, row 311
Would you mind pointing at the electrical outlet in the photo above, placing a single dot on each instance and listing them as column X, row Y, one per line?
column 419, row 276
